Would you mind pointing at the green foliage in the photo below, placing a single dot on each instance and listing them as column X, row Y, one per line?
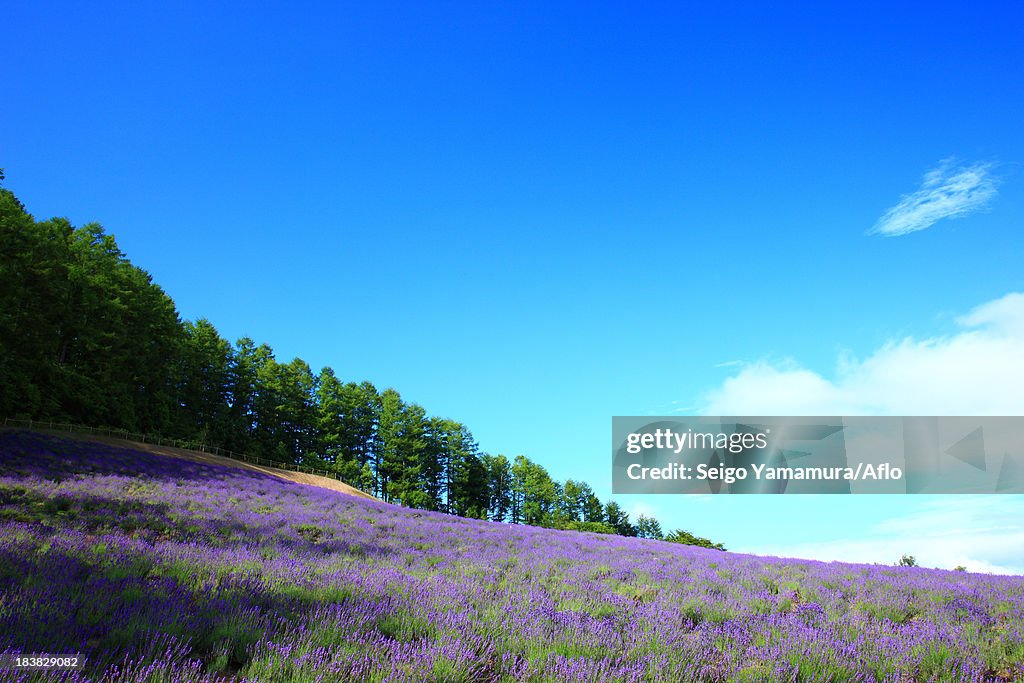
column 84, row 334
column 648, row 527
column 618, row 519
column 591, row 507
column 907, row 561
column 499, row 485
column 593, row 527
column 686, row 538
column 535, row 493
column 467, row 488
column 203, row 390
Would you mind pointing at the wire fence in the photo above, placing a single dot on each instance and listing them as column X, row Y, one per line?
column 184, row 444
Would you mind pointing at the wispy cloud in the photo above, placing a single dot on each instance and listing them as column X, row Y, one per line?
column 950, row 191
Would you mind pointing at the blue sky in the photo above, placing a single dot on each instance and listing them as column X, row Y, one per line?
column 531, row 218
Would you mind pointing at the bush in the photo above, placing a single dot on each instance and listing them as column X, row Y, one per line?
column 686, row 538
column 595, row 527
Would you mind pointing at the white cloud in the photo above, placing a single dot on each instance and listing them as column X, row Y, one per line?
column 949, row 191
column 976, row 371
column 1005, row 314
column 981, row 533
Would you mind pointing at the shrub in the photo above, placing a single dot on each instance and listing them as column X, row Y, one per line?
column 686, row 538
column 595, row 527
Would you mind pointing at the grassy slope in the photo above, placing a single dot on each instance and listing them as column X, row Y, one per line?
column 178, row 570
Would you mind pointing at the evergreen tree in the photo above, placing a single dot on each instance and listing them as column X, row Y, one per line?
column 648, row 527
column 592, row 508
column 534, row 492
column 617, row 518
column 401, row 437
column 244, row 382
column 412, row 433
column 499, row 486
column 33, row 287
column 205, row 391
column 388, row 460
column 467, row 494
column 360, row 413
column 570, row 502
column 84, row 334
column 434, row 464
column 299, row 409
column 329, row 421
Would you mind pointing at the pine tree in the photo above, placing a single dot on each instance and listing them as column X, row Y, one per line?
column 499, row 487
column 648, row 527
column 617, row 518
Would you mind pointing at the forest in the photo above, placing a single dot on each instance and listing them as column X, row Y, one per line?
column 88, row 337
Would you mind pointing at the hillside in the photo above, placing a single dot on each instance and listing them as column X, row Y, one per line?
column 212, row 459
column 115, row 352
column 171, row 569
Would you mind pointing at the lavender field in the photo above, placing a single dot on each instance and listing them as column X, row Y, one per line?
column 160, row 569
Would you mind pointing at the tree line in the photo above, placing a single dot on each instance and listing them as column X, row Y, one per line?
column 86, row 336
